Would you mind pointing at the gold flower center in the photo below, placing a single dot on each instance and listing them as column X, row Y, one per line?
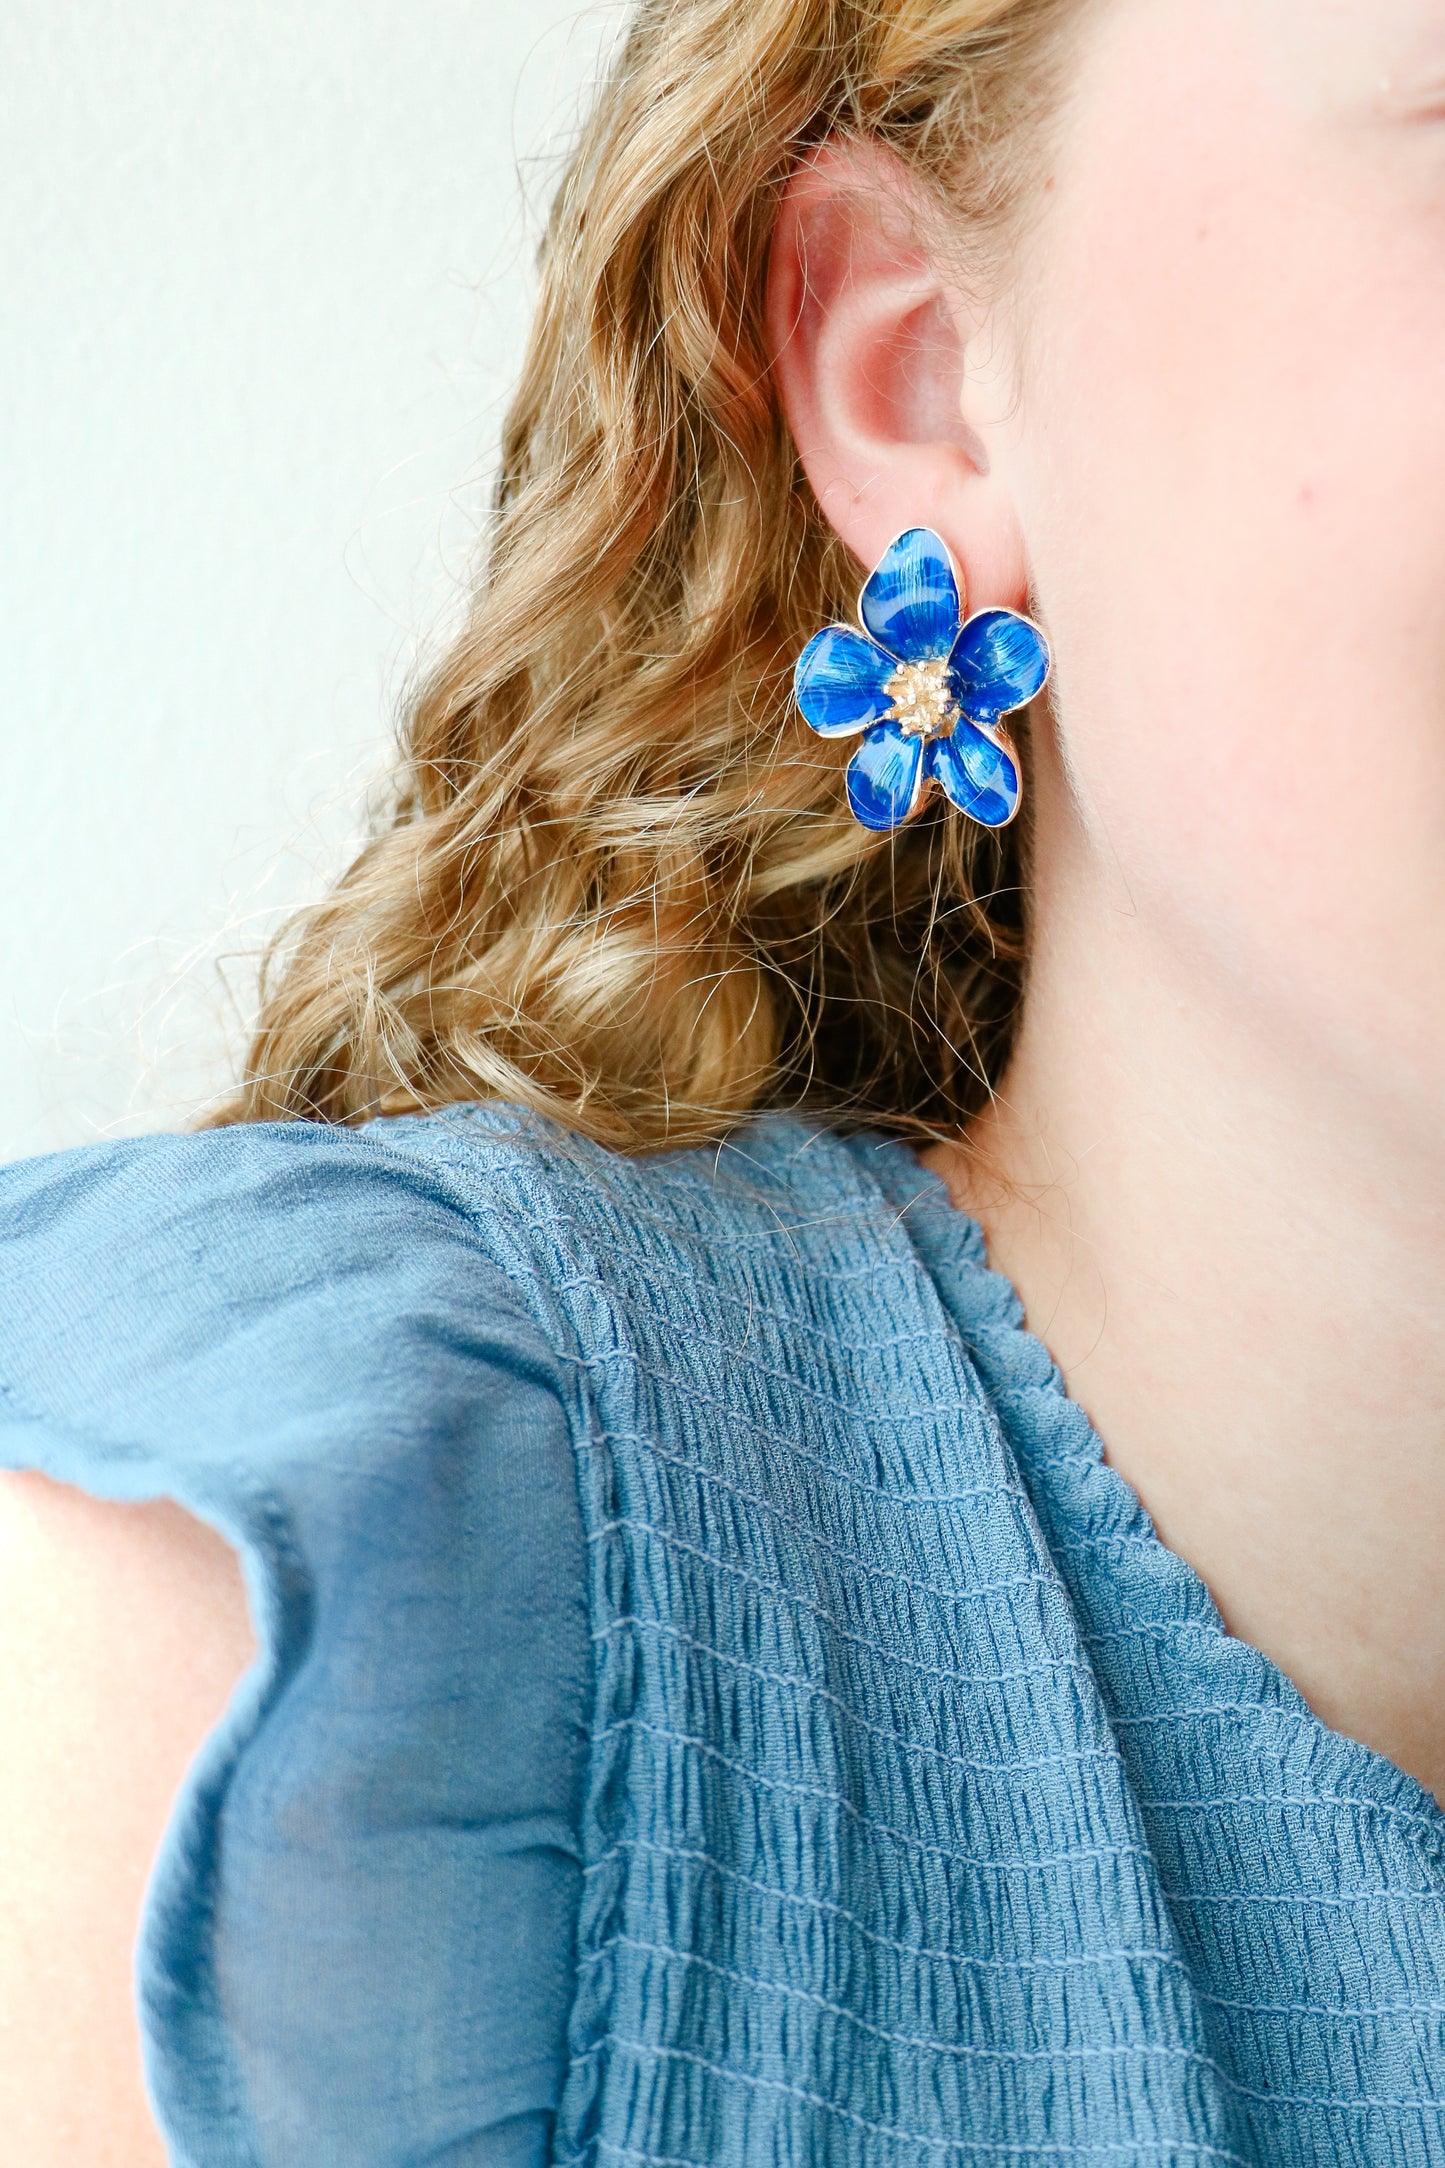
column 923, row 702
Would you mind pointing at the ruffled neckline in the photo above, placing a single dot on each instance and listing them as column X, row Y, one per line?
column 1078, row 1494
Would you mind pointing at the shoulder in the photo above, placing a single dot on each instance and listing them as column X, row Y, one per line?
column 291, row 1330
column 269, row 1204
column 304, row 1337
column 274, row 1208
column 284, row 1269
column 263, row 1209
column 289, row 1252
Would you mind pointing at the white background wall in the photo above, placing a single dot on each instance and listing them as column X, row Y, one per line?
column 264, row 273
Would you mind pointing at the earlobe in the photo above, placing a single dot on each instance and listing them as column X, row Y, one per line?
column 869, row 349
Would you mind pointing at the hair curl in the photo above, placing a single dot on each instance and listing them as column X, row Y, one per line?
column 617, row 882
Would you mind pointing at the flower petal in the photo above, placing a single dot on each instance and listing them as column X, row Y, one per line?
column 999, row 662
column 979, row 777
column 910, row 603
column 838, row 681
column 885, row 777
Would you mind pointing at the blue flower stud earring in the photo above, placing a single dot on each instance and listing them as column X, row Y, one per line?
column 927, row 691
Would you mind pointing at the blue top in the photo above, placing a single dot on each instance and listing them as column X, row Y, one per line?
column 714, row 1705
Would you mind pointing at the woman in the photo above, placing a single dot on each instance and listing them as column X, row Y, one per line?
column 724, row 1692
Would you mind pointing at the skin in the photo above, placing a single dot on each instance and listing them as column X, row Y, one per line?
column 123, row 1630
column 1198, row 433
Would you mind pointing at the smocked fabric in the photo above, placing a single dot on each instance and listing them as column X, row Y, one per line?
column 913, row 1806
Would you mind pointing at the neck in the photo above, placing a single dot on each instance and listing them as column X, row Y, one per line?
column 1238, row 1264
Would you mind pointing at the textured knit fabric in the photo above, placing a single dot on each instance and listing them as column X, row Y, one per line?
column 840, row 1771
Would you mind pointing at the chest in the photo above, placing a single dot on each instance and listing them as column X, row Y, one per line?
column 925, row 1801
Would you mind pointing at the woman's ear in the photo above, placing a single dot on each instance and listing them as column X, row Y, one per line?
column 879, row 363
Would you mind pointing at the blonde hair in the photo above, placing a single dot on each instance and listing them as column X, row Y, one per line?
column 618, row 882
